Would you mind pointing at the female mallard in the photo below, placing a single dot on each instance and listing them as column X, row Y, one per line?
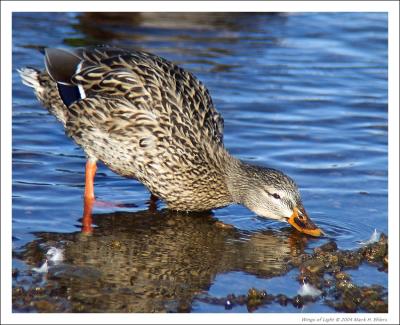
column 148, row 119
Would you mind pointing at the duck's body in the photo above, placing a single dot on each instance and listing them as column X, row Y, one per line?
column 148, row 119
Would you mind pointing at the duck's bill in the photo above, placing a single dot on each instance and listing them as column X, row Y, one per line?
column 300, row 220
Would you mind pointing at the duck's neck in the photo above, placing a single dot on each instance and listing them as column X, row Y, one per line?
column 237, row 180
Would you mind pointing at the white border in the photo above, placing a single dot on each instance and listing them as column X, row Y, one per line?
column 205, row 6
column 174, row 6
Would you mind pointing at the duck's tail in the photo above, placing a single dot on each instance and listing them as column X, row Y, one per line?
column 29, row 76
column 46, row 91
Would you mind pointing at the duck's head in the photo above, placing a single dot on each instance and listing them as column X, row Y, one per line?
column 271, row 194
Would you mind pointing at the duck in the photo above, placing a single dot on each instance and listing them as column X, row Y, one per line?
column 148, row 119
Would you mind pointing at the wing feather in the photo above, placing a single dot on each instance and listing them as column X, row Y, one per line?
column 153, row 83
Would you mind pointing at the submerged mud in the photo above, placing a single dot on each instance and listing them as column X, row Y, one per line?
column 325, row 270
column 166, row 262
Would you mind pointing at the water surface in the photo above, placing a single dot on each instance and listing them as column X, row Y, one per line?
column 303, row 93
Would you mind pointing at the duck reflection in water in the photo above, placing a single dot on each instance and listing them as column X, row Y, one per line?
column 157, row 261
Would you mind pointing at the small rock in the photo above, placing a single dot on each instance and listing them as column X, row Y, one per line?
column 383, row 239
column 228, row 304
column 298, row 301
column 313, row 266
column 17, row 291
column 350, row 260
column 376, row 306
column 375, row 253
column 252, row 293
column 342, row 276
column 282, row 299
column 349, row 305
column 343, row 285
column 256, row 294
column 369, row 294
column 330, row 246
column 255, row 298
column 332, row 259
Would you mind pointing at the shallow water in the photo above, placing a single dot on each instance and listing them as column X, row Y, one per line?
column 304, row 93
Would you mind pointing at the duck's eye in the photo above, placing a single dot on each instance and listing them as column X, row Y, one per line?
column 276, row 196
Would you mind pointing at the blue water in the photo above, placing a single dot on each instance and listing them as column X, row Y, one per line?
column 304, row 93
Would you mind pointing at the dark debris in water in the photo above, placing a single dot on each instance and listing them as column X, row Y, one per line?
column 342, row 293
column 255, row 299
column 324, row 269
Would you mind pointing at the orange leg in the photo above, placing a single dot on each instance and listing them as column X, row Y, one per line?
column 88, row 197
column 90, row 172
column 87, row 227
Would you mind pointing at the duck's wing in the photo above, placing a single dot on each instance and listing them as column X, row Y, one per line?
column 145, row 80
column 113, row 121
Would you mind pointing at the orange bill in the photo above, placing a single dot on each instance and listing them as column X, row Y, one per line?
column 300, row 220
